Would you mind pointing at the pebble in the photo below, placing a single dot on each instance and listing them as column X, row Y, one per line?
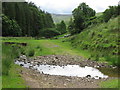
column 68, row 80
column 23, row 57
column 64, row 84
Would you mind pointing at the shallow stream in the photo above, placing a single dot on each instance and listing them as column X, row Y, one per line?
column 69, row 70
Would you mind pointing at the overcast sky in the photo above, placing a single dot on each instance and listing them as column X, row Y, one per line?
column 66, row 6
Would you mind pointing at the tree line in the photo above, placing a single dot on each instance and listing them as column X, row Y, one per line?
column 84, row 16
column 25, row 19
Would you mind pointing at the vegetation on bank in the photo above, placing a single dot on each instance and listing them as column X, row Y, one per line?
column 11, row 77
column 14, row 79
column 100, row 40
column 110, row 84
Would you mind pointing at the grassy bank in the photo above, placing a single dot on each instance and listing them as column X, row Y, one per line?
column 110, row 84
column 10, row 72
column 13, row 80
column 100, row 41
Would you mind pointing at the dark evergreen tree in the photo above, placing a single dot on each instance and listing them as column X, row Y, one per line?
column 28, row 16
column 61, row 27
column 71, row 27
column 10, row 27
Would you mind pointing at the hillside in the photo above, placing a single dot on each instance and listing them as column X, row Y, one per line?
column 100, row 41
column 99, row 13
column 57, row 18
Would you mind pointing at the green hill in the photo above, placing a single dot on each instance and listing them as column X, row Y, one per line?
column 99, row 13
column 57, row 18
column 100, row 41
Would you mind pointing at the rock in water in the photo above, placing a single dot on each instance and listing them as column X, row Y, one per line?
column 23, row 57
column 21, row 65
column 88, row 76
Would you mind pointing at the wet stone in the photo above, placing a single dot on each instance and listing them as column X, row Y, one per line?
column 21, row 65
column 88, row 76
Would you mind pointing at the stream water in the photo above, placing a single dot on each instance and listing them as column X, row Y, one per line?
column 69, row 70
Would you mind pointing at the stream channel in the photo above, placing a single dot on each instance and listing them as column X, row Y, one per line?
column 68, row 70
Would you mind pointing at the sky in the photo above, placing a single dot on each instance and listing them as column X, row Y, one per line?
column 67, row 6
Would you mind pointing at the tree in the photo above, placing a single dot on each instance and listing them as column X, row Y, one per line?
column 112, row 11
column 10, row 27
column 49, row 32
column 71, row 27
column 81, row 15
column 61, row 27
column 31, row 19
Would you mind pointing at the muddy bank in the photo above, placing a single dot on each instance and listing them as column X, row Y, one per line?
column 35, row 79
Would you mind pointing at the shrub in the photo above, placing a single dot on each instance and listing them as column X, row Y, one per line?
column 31, row 53
column 61, row 27
column 113, row 60
column 8, row 55
column 38, row 47
column 49, row 33
column 22, row 50
column 111, row 12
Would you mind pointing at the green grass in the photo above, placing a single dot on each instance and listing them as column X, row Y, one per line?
column 99, row 14
column 60, row 35
column 110, row 84
column 0, row 82
column 15, row 38
column 48, row 47
column 13, row 80
column 100, row 41
column 10, row 72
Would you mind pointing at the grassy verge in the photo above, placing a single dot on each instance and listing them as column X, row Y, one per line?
column 110, row 84
column 10, row 72
column 0, row 82
column 13, row 80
